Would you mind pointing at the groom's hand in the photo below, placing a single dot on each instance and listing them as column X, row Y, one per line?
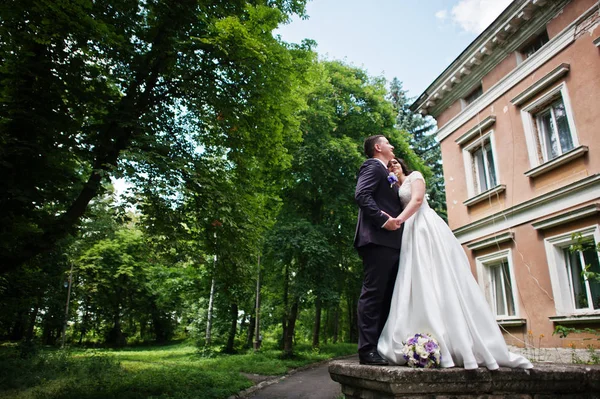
column 392, row 224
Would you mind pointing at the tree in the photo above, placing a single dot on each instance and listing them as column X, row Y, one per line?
column 311, row 244
column 95, row 88
column 423, row 143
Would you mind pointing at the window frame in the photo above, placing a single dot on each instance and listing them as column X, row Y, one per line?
column 529, row 114
column 471, row 167
column 484, row 278
column 557, row 266
column 529, row 43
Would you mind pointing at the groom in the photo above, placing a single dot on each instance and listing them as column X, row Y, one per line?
column 378, row 237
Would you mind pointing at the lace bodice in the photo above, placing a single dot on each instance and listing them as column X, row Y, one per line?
column 404, row 192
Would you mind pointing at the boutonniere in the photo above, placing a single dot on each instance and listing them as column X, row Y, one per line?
column 392, row 179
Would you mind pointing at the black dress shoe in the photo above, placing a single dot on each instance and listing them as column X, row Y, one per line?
column 372, row 358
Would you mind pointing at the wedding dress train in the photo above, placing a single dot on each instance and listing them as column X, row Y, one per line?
column 436, row 293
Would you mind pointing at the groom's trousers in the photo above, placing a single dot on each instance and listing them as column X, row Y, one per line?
column 379, row 275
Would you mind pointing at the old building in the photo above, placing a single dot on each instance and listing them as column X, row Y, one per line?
column 518, row 116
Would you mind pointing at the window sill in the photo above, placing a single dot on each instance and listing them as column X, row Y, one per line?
column 576, row 318
column 558, row 161
column 485, row 195
column 511, row 322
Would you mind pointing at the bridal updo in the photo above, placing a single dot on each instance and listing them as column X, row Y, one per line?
column 405, row 169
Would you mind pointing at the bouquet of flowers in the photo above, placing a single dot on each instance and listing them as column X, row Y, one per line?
column 422, row 351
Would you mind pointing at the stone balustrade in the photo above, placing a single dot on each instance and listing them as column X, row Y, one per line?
column 544, row 381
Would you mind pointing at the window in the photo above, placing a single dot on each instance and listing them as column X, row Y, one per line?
column 553, row 130
column 573, row 292
column 497, row 281
column 549, row 127
column 483, row 167
column 502, row 299
column 474, row 95
column 585, row 293
column 480, row 165
column 535, row 44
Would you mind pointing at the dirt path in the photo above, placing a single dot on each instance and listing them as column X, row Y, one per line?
column 310, row 383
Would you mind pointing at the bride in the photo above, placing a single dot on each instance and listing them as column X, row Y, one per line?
column 435, row 291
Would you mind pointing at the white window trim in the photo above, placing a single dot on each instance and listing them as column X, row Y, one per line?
column 555, row 245
column 531, row 132
column 482, row 263
column 468, row 161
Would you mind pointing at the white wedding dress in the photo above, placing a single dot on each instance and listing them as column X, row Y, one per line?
column 436, row 293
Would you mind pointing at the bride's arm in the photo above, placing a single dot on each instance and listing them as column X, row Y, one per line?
column 417, row 189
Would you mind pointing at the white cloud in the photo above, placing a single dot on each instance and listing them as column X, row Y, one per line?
column 474, row 16
column 441, row 15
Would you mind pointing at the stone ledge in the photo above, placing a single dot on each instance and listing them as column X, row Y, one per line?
column 544, row 381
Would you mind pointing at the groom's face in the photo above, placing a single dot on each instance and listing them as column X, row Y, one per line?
column 384, row 147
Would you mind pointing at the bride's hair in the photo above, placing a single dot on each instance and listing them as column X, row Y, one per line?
column 405, row 169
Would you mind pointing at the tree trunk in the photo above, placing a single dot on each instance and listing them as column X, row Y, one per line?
column 115, row 335
column 31, row 324
column 317, row 324
column 284, row 324
column 336, row 323
column 352, row 318
column 210, row 310
column 288, row 342
column 256, row 325
column 229, row 348
column 326, row 329
column 250, row 336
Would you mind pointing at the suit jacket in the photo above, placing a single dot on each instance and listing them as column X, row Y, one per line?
column 373, row 195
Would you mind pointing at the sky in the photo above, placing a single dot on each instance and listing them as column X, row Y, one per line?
column 413, row 40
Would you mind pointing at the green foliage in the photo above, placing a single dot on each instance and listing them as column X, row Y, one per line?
column 167, row 371
column 590, row 251
column 92, row 89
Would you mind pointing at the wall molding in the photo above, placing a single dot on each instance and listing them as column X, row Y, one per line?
column 476, row 130
column 491, row 241
column 567, row 217
column 541, row 84
column 581, row 191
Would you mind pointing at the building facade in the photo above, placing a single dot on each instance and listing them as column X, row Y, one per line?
column 518, row 116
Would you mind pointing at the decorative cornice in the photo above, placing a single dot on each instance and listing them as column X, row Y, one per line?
column 531, row 64
column 541, row 84
column 491, row 241
column 485, row 195
column 575, row 193
column 517, row 23
column 567, row 217
column 476, row 130
column 558, row 161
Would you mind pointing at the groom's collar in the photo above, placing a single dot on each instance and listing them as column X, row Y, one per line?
column 383, row 163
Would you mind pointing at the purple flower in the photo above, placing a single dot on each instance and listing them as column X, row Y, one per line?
column 412, row 341
column 392, row 178
column 430, row 346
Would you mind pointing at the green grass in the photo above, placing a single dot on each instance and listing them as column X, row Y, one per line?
column 171, row 371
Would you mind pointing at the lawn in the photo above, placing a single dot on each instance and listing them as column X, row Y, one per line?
column 171, row 371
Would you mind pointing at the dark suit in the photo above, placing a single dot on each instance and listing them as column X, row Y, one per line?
column 379, row 249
